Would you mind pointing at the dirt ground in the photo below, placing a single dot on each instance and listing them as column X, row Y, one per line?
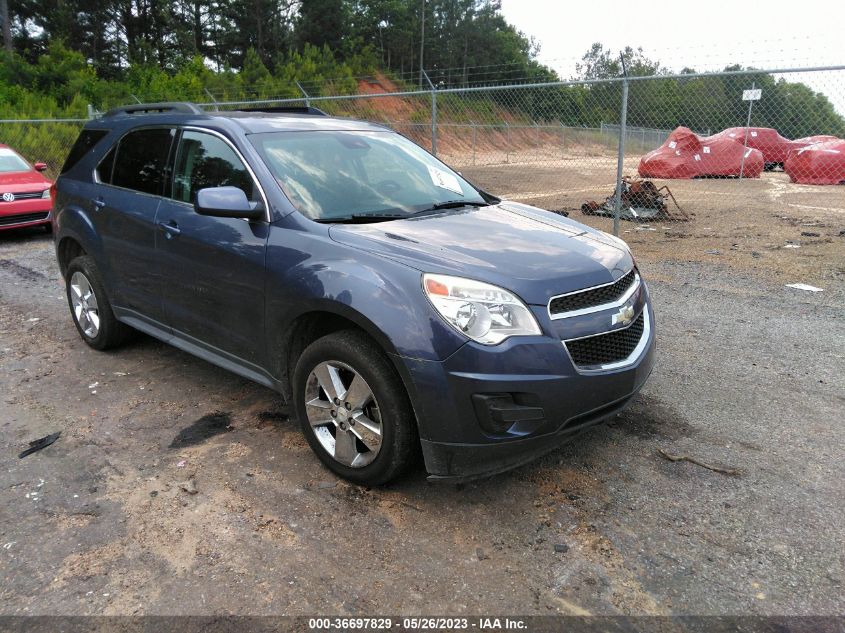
column 178, row 488
column 752, row 225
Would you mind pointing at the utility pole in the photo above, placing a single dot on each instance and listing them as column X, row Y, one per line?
column 422, row 42
column 7, row 28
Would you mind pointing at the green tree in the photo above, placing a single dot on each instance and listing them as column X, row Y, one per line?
column 322, row 23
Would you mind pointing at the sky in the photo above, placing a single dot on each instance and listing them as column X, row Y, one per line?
column 705, row 35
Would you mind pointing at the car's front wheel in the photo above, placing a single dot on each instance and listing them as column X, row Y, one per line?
column 90, row 307
column 353, row 408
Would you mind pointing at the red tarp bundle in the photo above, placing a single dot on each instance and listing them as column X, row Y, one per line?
column 722, row 156
column 686, row 155
column 810, row 140
column 819, row 164
column 673, row 159
column 775, row 148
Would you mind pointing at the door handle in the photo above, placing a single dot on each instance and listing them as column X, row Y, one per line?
column 99, row 203
column 171, row 229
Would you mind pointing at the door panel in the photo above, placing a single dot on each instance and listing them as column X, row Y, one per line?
column 212, row 268
column 126, row 222
column 125, row 215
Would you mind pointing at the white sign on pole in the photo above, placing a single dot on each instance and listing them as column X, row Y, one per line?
column 752, row 95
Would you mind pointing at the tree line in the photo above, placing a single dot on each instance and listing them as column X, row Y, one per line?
column 466, row 38
column 65, row 54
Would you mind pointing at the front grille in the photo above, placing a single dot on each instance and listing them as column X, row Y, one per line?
column 592, row 296
column 25, row 195
column 604, row 349
column 5, row 220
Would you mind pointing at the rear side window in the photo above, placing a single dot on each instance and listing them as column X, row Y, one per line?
column 141, row 160
column 87, row 139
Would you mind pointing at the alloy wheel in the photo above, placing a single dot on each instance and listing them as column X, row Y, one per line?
column 343, row 414
column 85, row 308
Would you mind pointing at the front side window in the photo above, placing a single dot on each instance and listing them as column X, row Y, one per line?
column 141, row 160
column 330, row 175
column 10, row 161
column 204, row 160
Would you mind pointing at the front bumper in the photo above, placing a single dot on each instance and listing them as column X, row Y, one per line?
column 23, row 213
column 536, row 372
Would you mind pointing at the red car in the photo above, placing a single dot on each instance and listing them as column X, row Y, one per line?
column 24, row 192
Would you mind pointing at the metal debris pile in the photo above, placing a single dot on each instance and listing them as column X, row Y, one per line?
column 642, row 201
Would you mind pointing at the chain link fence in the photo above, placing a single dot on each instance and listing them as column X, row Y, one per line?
column 42, row 140
column 736, row 161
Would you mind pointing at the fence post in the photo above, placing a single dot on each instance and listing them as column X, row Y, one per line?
column 213, row 100
column 305, row 94
column 474, row 133
column 562, row 140
column 620, row 160
column 433, row 113
column 507, row 142
column 433, row 121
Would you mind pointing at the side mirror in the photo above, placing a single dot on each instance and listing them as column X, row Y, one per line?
column 227, row 202
column 40, row 166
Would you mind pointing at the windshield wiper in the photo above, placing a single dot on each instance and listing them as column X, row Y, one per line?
column 450, row 204
column 362, row 218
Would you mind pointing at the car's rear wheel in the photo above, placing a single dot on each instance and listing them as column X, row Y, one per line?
column 90, row 307
column 353, row 408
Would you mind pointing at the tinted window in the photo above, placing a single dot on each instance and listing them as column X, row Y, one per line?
column 141, row 160
column 104, row 169
column 204, row 160
column 87, row 140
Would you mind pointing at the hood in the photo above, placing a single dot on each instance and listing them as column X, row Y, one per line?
column 15, row 181
column 534, row 253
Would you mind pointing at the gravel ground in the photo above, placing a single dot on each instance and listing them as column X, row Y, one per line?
column 177, row 488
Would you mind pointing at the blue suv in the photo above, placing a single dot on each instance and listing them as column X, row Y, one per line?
column 399, row 308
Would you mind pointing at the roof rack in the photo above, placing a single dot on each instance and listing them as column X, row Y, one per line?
column 152, row 108
column 286, row 110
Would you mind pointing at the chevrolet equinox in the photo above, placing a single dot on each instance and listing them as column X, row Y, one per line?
column 399, row 308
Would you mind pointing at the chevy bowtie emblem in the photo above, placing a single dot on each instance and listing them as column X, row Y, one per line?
column 624, row 316
column 8, row 197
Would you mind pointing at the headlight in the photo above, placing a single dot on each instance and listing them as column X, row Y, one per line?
column 485, row 313
column 46, row 194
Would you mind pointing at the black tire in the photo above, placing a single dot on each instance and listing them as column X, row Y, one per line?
column 110, row 332
column 399, row 441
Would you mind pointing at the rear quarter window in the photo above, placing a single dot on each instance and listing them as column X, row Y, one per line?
column 104, row 169
column 84, row 143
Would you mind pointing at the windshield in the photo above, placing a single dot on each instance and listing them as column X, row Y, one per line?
column 9, row 161
column 337, row 175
